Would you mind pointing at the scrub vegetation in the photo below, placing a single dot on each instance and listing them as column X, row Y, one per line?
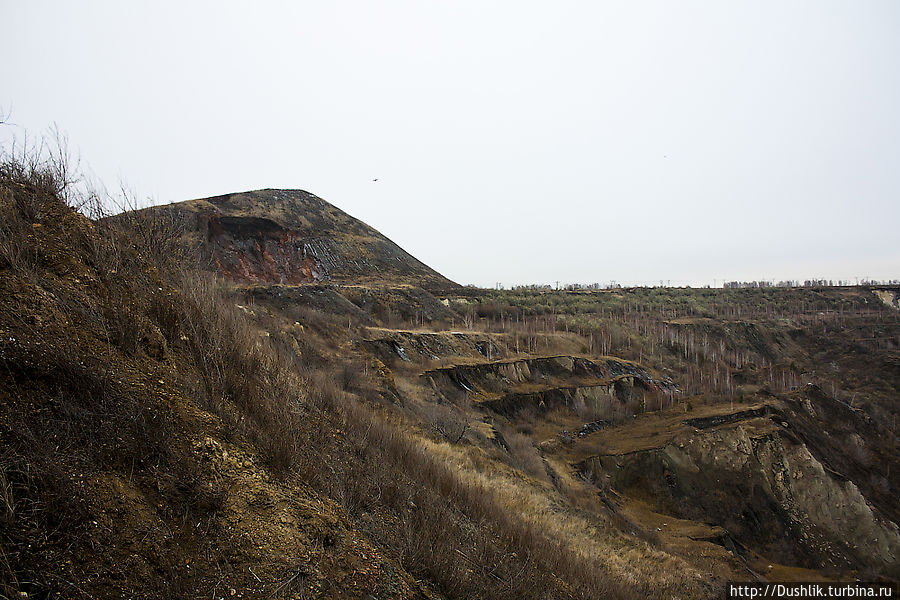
column 167, row 432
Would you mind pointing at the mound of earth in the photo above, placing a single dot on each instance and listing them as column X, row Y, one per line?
column 293, row 237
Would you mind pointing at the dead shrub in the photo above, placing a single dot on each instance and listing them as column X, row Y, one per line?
column 41, row 507
column 242, row 376
column 448, row 421
column 17, row 251
column 522, row 453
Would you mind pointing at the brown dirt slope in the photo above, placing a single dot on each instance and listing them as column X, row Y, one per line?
column 114, row 481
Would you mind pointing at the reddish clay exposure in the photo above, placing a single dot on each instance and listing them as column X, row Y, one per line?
column 254, row 250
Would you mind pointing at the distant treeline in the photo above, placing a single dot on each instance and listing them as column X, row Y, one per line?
column 764, row 283
column 807, row 283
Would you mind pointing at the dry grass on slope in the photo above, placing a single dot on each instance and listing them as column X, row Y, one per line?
column 643, row 568
column 156, row 444
column 125, row 414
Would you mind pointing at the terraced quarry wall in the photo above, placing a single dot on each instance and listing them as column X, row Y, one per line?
column 750, row 473
column 508, row 386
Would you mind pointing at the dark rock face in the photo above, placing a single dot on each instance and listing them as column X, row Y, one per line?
column 259, row 250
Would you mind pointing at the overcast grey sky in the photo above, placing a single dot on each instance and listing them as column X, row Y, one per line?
column 513, row 142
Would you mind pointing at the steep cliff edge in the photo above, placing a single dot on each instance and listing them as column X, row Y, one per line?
column 769, row 481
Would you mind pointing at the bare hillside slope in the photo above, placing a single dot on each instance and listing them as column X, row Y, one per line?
column 294, row 237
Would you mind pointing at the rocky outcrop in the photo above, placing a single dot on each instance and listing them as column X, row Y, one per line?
column 759, row 481
column 889, row 296
column 422, row 346
column 509, row 386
